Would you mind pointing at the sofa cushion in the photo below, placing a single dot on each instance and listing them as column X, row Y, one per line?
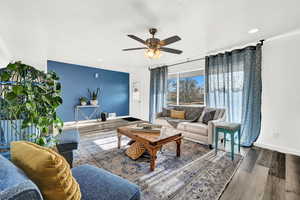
column 47, row 169
column 220, row 112
column 198, row 128
column 102, row 185
column 14, row 184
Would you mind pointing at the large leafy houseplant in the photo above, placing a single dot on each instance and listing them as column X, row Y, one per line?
column 32, row 96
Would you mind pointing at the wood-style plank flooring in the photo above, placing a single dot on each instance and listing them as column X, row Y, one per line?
column 265, row 175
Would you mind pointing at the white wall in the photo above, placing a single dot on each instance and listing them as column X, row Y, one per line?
column 140, row 109
column 280, row 94
column 5, row 55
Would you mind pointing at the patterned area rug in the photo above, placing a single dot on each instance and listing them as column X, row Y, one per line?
column 197, row 174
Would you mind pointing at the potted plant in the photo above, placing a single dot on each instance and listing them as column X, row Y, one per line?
column 83, row 101
column 94, row 96
column 29, row 99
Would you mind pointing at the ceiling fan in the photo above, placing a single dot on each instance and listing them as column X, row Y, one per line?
column 154, row 46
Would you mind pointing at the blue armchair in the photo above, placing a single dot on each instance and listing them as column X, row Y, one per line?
column 95, row 184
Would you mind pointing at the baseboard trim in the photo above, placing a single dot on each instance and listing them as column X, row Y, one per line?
column 278, row 148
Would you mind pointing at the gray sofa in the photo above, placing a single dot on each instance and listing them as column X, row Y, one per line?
column 192, row 127
column 94, row 182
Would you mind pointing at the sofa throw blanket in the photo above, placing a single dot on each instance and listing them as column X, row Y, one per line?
column 174, row 122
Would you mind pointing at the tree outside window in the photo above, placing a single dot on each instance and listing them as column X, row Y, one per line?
column 191, row 88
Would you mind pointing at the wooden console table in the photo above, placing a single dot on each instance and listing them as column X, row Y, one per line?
column 151, row 141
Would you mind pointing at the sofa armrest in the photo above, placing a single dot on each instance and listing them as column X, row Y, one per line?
column 158, row 115
column 96, row 183
column 211, row 129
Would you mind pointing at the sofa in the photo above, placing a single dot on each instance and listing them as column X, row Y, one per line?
column 95, row 183
column 192, row 127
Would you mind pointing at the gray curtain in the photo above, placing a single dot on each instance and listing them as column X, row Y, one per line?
column 233, row 81
column 158, row 90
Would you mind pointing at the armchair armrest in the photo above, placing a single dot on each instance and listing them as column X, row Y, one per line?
column 96, row 183
column 211, row 129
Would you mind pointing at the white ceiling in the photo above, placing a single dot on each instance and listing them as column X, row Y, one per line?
column 83, row 32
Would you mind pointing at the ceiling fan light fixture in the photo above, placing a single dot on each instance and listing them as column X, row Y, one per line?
column 154, row 46
column 153, row 53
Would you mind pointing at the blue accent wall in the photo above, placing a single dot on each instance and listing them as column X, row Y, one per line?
column 76, row 79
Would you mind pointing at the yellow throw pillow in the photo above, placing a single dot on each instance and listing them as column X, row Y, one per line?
column 47, row 169
column 177, row 114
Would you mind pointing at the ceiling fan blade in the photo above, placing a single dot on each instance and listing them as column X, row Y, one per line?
column 138, row 48
column 170, row 40
column 169, row 50
column 137, row 39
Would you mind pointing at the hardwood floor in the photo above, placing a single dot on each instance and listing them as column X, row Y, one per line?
column 265, row 175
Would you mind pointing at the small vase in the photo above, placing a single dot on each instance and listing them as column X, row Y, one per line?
column 83, row 103
column 94, row 102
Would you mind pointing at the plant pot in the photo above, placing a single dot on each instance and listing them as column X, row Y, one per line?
column 94, row 102
column 83, row 103
column 13, row 131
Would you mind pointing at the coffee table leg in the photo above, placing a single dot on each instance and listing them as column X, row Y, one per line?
column 178, row 142
column 152, row 159
column 119, row 140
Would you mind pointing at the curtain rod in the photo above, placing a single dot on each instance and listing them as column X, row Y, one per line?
column 193, row 60
column 179, row 63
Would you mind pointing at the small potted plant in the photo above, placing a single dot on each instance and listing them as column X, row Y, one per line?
column 94, row 96
column 83, row 101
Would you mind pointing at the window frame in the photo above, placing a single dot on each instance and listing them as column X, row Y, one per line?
column 178, row 88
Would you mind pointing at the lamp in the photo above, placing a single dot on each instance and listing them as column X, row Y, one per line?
column 152, row 53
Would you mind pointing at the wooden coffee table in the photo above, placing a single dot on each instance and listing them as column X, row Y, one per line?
column 151, row 141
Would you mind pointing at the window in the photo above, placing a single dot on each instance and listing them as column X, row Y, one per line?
column 186, row 88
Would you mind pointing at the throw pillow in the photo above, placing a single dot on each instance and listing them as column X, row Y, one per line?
column 196, row 119
column 46, row 168
column 177, row 114
column 208, row 116
column 166, row 112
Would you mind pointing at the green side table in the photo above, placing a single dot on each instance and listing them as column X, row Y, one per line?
column 228, row 128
